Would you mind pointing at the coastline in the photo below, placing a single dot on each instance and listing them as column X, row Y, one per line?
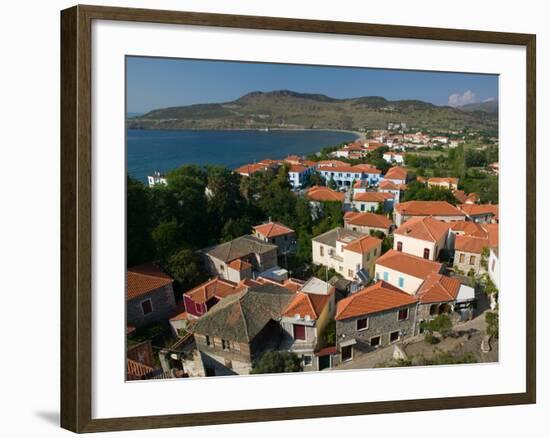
column 360, row 135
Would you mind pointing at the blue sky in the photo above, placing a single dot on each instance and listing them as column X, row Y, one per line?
column 159, row 82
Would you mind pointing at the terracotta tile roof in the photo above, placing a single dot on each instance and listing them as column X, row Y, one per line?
column 290, row 284
column 396, row 173
column 249, row 169
column 363, row 244
column 216, row 287
column 479, row 209
column 366, row 168
column 273, row 229
column 438, row 180
column 145, row 278
column 239, row 265
column 427, row 208
column 372, row 196
column 464, row 198
column 367, row 220
column 326, row 351
column 330, row 163
column 424, row 228
column 136, row 370
column 347, row 168
column 268, row 162
column 492, row 231
column 320, row 193
column 293, row 159
column 180, row 316
column 471, row 244
column 379, row 297
column 469, row 228
column 306, row 304
column 438, row 288
column 298, row 168
column 408, row 264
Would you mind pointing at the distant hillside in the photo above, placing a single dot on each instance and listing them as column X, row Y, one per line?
column 289, row 109
column 487, row 107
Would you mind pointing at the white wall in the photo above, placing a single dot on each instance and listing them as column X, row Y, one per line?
column 32, row 51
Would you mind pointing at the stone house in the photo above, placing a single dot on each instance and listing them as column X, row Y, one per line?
column 350, row 253
column 149, row 296
column 468, row 253
column 440, row 294
column 367, row 222
column 305, row 320
column 243, row 257
column 440, row 210
column 374, row 317
column 240, row 328
column 277, row 234
column 404, row 271
column 422, row 236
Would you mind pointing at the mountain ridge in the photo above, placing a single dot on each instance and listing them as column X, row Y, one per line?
column 295, row 110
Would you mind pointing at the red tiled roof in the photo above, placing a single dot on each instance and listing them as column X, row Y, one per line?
column 366, row 168
column 427, row 208
column 379, row 297
column 372, row 196
column 145, row 278
column 291, row 284
column 136, row 370
column 216, row 287
column 423, row 228
column 273, row 229
column 438, row 288
column 298, row 168
column 180, row 316
column 306, row 304
column 331, row 163
column 471, row 244
column 479, row 209
column 363, row 244
column 320, row 193
column 325, row 351
column 249, row 169
column 367, row 220
column 343, row 169
column 239, row 265
column 396, row 173
column 469, row 228
column 408, row 264
column 464, row 198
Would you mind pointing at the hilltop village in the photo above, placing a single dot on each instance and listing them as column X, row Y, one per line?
column 377, row 253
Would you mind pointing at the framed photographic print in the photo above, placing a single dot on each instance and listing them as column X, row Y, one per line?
column 342, row 214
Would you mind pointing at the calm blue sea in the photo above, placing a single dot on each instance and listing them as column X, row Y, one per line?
column 149, row 151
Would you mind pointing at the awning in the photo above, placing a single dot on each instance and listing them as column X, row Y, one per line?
column 348, row 343
column 465, row 293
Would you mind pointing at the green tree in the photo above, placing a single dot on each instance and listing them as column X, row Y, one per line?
column 185, row 267
column 166, row 239
column 440, row 324
column 491, row 321
column 277, row 362
column 139, row 223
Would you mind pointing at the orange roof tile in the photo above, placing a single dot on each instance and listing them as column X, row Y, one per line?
column 143, row 279
column 216, row 287
column 290, row 284
column 379, row 297
column 427, row 208
column 479, row 209
column 239, row 265
column 367, row 220
column 438, row 288
column 367, row 168
column 471, row 244
column 396, row 173
column 424, row 228
column 330, row 163
column 306, row 304
column 320, row 193
column 298, row 168
column 469, row 228
column 464, row 198
column 249, row 169
column 363, row 244
column 408, row 264
column 439, row 180
column 136, row 370
column 273, row 229
column 372, row 196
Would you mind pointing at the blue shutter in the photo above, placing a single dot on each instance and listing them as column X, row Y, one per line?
column 385, row 276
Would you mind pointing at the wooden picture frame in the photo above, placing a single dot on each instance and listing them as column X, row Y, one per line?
column 76, row 217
